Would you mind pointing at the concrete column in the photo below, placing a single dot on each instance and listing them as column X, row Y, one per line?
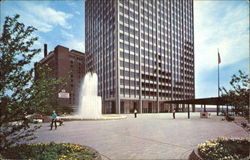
column 193, row 107
column 140, row 71
column 118, row 101
column 188, row 112
column 218, row 109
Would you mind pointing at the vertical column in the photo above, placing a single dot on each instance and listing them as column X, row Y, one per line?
column 188, row 112
column 157, row 59
column 171, row 50
column 192, row 5
column 140, row 72
column 218, row 109
column 193, row 107
column 117, row 58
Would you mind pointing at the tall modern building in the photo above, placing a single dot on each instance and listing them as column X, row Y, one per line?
column 142, row 51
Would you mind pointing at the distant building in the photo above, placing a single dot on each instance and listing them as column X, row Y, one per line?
column 66, row 63
column 142, row 51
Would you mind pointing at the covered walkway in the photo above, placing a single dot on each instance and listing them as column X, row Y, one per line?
column 199, row 101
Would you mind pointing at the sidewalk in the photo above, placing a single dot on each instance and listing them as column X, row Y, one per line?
column 150, row 136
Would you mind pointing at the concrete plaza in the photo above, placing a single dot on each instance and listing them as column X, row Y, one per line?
column 149, row 136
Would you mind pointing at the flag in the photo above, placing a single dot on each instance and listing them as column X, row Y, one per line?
column 219, row 60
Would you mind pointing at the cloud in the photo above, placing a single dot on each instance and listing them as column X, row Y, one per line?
column 66, row 34
column 39, row 15
column 50, row 15
column 38, row 24
column 72, row 4
column 72, row 42
column 75, row 44
column 220, row 25
column 223, row 25
column 77, row 12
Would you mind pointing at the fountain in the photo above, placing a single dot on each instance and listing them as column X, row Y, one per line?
column 90, row 106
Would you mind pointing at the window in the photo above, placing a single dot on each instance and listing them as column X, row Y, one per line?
column 121, row 18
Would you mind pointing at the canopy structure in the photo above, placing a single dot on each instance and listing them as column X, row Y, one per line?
column 218, row 101
column 202, row 101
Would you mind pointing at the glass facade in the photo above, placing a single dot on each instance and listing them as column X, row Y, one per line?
column 142, row 51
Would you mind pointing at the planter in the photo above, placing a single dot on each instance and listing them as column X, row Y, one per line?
column 234, row 148
column 204, row 114
column 99, row 157
column 195, row 155
column 51, row 150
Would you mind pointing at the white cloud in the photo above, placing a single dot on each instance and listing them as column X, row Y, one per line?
column 50, row 16
column 41, row 16
column 66, row 34
column 220, row 25
column 223, row 25
column 75, row 44
column 72, row 42
column 40, row 25
column 77, row 12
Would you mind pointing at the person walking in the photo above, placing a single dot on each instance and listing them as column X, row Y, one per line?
column 53, row 116
column 26, row 120
column 174, row 114
column 135, row 112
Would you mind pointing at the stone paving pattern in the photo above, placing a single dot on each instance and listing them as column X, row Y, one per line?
column 149, row 136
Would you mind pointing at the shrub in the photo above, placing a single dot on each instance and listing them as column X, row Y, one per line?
column 244, row 125
column 46, row 151
column 225, row 149
column 229, row 118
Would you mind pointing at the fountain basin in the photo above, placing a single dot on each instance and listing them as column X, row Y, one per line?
column 103, row 117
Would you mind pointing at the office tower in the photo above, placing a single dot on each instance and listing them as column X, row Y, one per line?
column 142, row 51
column 69, row 64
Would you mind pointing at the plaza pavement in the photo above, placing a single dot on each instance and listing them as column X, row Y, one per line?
column 149, row 136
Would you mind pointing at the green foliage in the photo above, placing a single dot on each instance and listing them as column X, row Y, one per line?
column 49, row 151
column 45, row 90
column 20, row 91
column 229, row 118
column 225, row 149
column 238, row 96
column 65, row 109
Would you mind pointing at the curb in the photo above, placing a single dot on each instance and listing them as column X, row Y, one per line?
column 195, row 155
column 99, row 157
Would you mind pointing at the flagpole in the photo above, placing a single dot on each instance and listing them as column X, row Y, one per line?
column 218, row 106
column 218, row 73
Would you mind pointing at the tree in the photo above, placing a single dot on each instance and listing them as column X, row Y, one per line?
column 20, row 91
column 238, row 96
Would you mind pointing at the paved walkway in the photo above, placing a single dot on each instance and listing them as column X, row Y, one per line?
column 150, row 136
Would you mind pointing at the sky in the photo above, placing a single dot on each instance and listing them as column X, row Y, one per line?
column 218, row 25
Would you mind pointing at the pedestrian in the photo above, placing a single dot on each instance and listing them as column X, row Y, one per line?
column 53, row 116
column 26, row 120
column 135, row 112
column 174, row 114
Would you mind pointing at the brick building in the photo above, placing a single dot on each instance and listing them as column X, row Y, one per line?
column 66, row 63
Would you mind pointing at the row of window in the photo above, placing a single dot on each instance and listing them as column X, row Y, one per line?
column 152, row 94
